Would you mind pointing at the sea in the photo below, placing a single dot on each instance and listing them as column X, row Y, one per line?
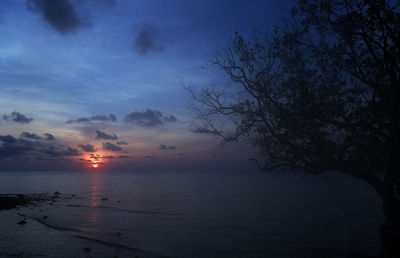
column 186, row 214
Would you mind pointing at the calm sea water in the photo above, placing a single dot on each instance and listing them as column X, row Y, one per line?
column 195, row 215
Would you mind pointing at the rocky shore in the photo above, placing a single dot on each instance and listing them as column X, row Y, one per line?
column 10, row 201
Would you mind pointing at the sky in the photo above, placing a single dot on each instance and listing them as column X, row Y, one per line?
column 86, row 82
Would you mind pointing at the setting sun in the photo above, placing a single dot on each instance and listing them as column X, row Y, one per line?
column 95, row 165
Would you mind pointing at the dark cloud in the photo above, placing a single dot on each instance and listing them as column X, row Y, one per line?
column 102, row 135
column 165, row 147
column 59, row 14
column 202, row 130
column 111, row 147
column 87, row 147
column 49, row 136
column 79, row 120
column 149, row 157
column 53, row 151
column 147, row 41
column 71, row 152
column 18, row 118
column 7, row 139
column 110, row 117
column 122, row 143
column 124, row 157
column 95, row 157
column 24, row 148
column 108, row 157
column 148, row 118
column 29, row 136
column 15, row 148
column 170, row 118
column 12, row 147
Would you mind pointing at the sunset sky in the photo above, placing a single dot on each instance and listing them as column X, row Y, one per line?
column 101, row 81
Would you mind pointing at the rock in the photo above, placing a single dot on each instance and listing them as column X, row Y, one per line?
column 44, row 217
column 12, row 201
column 87, row 249
column 21, row 222
column 56, row 193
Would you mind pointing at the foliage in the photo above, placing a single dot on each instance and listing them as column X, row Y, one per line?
column 321, row 94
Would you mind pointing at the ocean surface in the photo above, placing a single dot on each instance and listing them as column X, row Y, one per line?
column 190, row 215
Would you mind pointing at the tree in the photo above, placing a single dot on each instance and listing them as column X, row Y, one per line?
column 321, row 94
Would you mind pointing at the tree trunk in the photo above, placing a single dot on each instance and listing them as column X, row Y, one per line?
column 390, row 230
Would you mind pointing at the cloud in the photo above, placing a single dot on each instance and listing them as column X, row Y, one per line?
column 149, row 157
column 12, row 147
column 79, row 120
column 110, row 117
column 111, row 147
column 165, row 147
column 103, row 118
column 102, row 135
column 59, row 14
column 108, row 157
column 146, row 40
column 95, row 157
column 122, row 143
column 18, row 118
column 87, row 147
column 49, row 136
column 170, row 118
column 30, row 136
column 124, row 157
column 56, row 152
column 148, row 118
column 7, row 139
column 202, row 130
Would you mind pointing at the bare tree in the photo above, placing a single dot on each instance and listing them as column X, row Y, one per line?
column 321, row 94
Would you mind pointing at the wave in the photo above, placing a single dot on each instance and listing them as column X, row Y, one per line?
column 118, row 245
column 92, row 238
column 120, row 209
column 43, row 222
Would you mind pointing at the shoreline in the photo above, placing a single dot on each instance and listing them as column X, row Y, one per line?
column 12, row 201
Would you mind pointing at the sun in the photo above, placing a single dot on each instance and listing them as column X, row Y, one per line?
column 95, row 165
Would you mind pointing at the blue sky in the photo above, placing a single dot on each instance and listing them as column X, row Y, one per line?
column 62, row 60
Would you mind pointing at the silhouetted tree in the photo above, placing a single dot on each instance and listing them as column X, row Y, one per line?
column 321, row 93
